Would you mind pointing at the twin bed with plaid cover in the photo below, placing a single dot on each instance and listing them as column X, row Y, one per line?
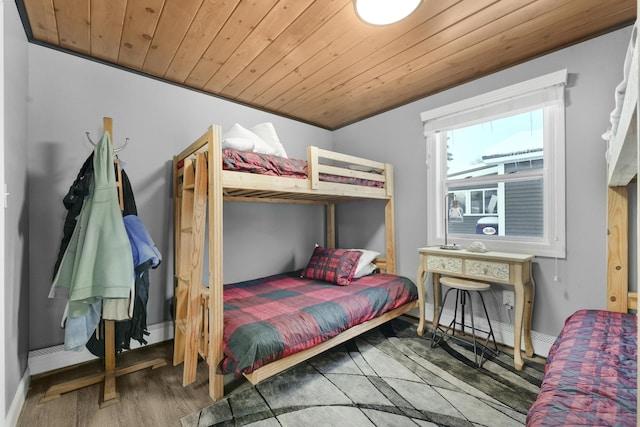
column 591, row 373
column 270, row 318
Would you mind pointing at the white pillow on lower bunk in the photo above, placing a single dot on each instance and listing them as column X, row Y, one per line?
column 365, row 263
column 365, row 271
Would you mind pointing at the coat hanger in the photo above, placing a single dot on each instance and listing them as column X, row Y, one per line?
column 115, row 150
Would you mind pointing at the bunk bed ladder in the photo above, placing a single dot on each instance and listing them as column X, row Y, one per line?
column 189, row 314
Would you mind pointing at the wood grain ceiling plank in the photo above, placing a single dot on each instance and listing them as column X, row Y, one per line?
column 512, row 55
column 485, row 58
column 380, row 45
column 279, row 18
column 319, row 78
column 107, row 19
column 310, row 33
column 73, row 21
column 338, row 34
column 242, row 21
column 204, row 28
column 42, row 19
column 443, row 78
column 524, row 41
column 460, row 31
column 174, row 22
column 140, row 23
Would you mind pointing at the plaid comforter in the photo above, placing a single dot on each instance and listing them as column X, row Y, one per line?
column 269, row 318
column 264, row 164
column 591, row 373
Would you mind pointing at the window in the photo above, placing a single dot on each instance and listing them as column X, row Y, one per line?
column 496, row 169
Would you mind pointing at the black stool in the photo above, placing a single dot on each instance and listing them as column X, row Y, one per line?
column 463, row 288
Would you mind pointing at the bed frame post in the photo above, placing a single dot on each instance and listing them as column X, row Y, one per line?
column 216, row 314
column 331, row 225
column 618, row 251
column 390, row 257
column 179, row 339
column 389, row 223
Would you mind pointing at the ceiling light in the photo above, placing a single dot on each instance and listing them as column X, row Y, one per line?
column 384, row 12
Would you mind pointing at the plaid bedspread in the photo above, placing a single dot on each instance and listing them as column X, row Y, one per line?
column 269, row 318
column 264, row 164
column 591, row 373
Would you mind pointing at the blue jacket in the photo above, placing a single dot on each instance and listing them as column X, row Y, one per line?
column 145, row 253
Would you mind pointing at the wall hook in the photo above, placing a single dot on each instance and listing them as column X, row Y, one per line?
column 115, row 150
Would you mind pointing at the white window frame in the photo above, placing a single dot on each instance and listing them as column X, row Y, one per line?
column 542, row 92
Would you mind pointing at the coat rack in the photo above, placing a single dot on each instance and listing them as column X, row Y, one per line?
column 110, row 373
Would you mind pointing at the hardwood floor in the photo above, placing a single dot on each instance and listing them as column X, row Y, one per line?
column 150, row 397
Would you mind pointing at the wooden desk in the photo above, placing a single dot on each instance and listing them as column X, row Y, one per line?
column 493, row 267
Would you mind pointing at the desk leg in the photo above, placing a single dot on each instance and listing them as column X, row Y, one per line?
column 525, row 292
column 517, row 325
column 436, row 297
column 529, row 293
column 421, row 305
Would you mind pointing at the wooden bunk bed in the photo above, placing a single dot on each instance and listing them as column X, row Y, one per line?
column 200, row 188
column 591, row 371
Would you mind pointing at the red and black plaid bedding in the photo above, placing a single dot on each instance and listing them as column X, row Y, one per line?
column 264, row 164
column 269, row 318
column 591, row 373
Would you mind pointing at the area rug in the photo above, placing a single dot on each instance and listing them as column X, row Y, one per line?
column 387, row 377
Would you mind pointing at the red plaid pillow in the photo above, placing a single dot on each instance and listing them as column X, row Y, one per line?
column 332, row 265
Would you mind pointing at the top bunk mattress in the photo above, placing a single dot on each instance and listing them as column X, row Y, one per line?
column 265, row 164
column 273, row 317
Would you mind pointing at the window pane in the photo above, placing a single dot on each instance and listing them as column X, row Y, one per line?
column 507, row 145
column 518, row 212
column 490, row 201
column 477, row 202
column 524, row 210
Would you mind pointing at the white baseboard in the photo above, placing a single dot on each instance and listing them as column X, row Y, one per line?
column 12, row 416
column 51, row 358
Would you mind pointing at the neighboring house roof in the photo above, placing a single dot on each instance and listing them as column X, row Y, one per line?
column 522, row 145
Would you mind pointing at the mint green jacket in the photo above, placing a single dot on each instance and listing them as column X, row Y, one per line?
column 98, row 262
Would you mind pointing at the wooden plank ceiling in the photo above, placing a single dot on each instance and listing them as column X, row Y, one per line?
column 315, row 61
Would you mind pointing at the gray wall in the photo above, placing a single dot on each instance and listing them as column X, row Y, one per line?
column 595, row 68
column 16, row 273
column 69, row 96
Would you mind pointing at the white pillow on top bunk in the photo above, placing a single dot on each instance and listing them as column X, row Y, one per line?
column 267, row 132
column 261, row 138
column 241, row 139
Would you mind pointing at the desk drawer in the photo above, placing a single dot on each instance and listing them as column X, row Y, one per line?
column 487, row 270
column 440, row 264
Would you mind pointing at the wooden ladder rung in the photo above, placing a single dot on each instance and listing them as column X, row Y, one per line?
column 191, row 214
column 181, row 324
